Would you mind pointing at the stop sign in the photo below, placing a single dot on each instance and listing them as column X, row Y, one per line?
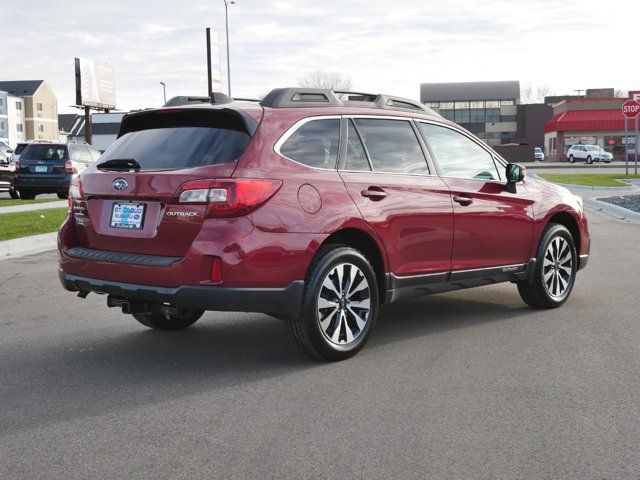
column 631, row 108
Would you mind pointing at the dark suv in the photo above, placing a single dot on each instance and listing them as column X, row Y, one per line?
column 314, row 207
column 46, row 167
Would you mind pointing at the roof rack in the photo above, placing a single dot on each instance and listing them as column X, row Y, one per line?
column 317, row 97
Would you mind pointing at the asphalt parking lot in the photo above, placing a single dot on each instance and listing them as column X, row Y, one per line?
column 470, row 384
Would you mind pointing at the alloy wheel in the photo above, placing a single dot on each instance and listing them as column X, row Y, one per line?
column 344, row 304
column 557, row 267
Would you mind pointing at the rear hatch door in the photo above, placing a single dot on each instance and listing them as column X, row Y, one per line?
column 128, row 197
column 44, row 161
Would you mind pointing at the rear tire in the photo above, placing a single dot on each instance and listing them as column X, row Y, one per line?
column 62, row 195
column 589, row 160
column 184, row 319
column 14, row 194
column 555, row 271
column 26, row 195
column 339, row 305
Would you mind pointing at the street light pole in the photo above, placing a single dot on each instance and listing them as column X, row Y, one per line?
column 164, row 91
column 226, row 19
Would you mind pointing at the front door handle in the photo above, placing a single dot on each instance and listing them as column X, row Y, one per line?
column 374, row 193
column 463, row 199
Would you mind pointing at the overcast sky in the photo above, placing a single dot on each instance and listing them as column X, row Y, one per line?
column 383, row 46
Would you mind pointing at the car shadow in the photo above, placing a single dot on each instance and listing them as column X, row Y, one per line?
column 114, row 368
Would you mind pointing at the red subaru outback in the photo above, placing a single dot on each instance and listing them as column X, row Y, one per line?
column 313, row 207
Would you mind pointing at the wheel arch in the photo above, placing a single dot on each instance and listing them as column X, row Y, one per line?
column 365, row 243
column 567, row 220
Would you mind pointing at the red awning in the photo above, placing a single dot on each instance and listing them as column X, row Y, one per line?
column 587, row 121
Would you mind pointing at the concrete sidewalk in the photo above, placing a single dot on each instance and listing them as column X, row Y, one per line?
column 33, row 206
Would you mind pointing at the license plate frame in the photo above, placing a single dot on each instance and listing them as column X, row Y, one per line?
column 128, row 215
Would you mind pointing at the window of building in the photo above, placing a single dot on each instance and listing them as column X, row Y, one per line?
column 1, row 102
column 19, row 127
column 492, row 104
column 314, row 144
column 504, row 103
column 492, row 115
column 460, row 105
column 458, row 155
column 2, row 125
column 479, row 104
column 392, row 146
column 477, row 115
column 462, row 116
column 18, row 105
column 356, row 156
column 39, row 107
column 41, row 128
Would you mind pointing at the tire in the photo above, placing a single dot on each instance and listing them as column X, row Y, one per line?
column 553, row 278
column 161, row 321
column 571, row 159
column 13, row 193
column 330, row 326
column 63, row 195
column 26, row 195
column 589, row 160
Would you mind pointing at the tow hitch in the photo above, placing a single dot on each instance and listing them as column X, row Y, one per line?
column 130, row 307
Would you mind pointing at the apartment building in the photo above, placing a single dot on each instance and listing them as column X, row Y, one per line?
column 32, row 110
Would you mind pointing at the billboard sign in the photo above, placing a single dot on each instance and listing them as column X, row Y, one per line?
column 95, row 84
column 634, row 95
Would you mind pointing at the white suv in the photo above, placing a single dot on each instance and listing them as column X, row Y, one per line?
column 588, row 153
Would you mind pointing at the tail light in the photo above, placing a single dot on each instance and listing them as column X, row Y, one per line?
column 229, row 197
column 69, row 168
column 16, row 166
column 77, row 204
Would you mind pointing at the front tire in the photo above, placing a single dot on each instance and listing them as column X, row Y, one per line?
column 339, row 306
column 62, row 195
column 589, row 160
column 571, row 159
column 160, row 321
column 555, row 271
column 14, row 194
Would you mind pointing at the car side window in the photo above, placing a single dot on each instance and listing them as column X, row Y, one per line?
column 95, row 154
column 458, row 155
column 356, row 156
column 315, row 144
column 80, row 153
column 392, row 145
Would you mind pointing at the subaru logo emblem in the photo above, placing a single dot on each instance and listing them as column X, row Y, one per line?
column 120, row 184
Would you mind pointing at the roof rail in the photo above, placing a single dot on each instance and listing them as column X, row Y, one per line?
column 316, row 97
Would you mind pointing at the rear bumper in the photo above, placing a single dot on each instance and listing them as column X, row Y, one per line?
column 280, row 302
column 42, row 183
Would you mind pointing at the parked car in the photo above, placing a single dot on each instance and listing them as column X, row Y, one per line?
column 47, row 167
column 538, row 154
column 5, row 149
column 6, row 176
column 588, row 153
column 313, row 209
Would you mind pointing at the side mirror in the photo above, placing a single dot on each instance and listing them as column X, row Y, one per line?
column 515, row 173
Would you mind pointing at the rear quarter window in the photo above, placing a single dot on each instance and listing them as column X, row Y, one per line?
column 315, row 143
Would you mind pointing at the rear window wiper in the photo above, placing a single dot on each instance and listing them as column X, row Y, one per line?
column 119, row 164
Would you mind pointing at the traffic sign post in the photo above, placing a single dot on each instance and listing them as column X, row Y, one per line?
column 631, row 109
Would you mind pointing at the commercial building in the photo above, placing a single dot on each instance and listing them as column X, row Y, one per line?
column 4, row 118
column 487, row 109
column 104, row 128
column 587, row 121
column 32, row 110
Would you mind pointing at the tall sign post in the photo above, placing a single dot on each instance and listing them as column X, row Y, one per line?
column 631, row 109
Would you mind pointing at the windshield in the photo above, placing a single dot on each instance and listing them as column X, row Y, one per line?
column 45, row 152
column 538, row 150
column 178, row 147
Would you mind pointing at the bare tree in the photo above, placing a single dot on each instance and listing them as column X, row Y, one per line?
column 531, row 94
column 335, row 81
column 620, row 93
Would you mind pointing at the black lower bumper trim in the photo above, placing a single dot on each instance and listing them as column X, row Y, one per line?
column 121, row 257
column 280, row 302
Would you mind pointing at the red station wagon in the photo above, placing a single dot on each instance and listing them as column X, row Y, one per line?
column 312, row 206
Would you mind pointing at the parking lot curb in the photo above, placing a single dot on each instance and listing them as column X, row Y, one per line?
column 620, row 213
column 33, row 206
column 19, row 247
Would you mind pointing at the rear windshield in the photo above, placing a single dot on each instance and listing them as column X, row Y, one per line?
column 179, row 147
column 45, row 152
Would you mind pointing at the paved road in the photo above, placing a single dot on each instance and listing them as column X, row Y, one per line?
column 463, row 385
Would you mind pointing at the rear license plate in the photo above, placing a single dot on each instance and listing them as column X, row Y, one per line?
column 41, row 169
column 127, row 215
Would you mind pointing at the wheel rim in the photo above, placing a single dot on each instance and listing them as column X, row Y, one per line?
column 557, row 267
column 344, row 304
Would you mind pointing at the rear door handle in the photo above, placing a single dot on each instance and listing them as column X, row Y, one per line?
column 374, row 193
column 463, row 199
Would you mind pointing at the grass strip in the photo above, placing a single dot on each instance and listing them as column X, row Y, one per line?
column 35, row 222
column 589, row 179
